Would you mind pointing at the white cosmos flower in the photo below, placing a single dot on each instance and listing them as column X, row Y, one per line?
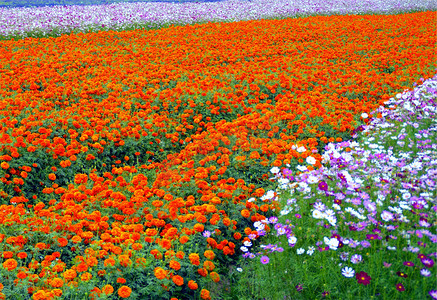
column 404, row 205
column 332, row 243
column 247, row 243
column 332, row 220
column 336, row 206
column 301, row 149
column 348, row 272
column 259, row 225
column 300, row 251
column 310, row 160
column 274, row 170
column 302, row 168
column 364, row 115
column 329, row 213
column 292, row 240
column 285, row 211
column 406, row 196
column 269, row 195
column 283, row 180
column 317, row 214
column 310, row 250
column 244, row 249
column 312, row 179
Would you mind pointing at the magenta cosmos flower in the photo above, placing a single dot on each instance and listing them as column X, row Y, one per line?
column 408, row 264
column 265, row 260
column 400, row 287
column 363, row 278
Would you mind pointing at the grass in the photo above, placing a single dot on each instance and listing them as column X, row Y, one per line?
column 353, row 219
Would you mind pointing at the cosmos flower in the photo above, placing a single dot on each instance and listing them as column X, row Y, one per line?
column 400, row 287
column 348, row 272
column 363, row 278
column 265, row 260
column 425, row 272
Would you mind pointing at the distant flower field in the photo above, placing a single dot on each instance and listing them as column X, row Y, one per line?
column 155, row 161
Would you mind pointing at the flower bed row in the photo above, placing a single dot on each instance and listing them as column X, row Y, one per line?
column 128, row 159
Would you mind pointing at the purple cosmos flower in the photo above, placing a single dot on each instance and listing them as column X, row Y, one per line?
column 386, row 216
column 386, row 265
column 265, row 260
column 421, row 244
column 323, row 186
column 373, row 237
column 433, row 294
column 344, row 256
column 365, row 244
column 356, row 258
column 273, row 220
column 325, row 293
column 288, row 174
column 425, row 272
column 299, row 287
column 427, row 262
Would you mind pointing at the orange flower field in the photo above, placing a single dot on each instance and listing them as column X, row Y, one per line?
column 119, row 150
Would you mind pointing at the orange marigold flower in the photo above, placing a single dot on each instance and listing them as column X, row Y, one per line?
column 109, row 261
column 204, row 294
column 8, row 254
column 124, row 291
column 209, row 265
column 194, row 258
column 4, row 165
column 76, row 239
column 69, row 274
column 245, row 213
column 175, row 265
column 121, row 280
column 57, row 292
column 209, row 254
column 202, row 272
column 178, row 280
column 183, row 239
column 151, row 232
column 22, row 255
column 199, row 227
column 107, row 289
column 57, row 282
column 166, row 244
column 124, row 260
column 40, row 246
column 86, row 276
column 10, row 264
column 160, row 273
column 180, row 254
column 52, row 176
column 192, row 285
column 214, row 276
